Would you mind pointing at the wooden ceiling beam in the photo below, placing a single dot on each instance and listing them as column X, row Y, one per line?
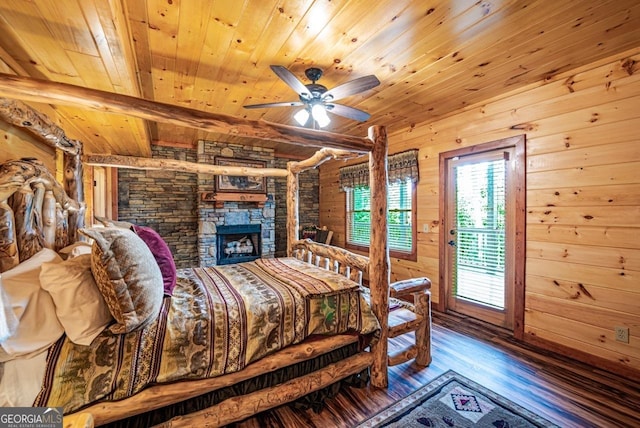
column 43, row 91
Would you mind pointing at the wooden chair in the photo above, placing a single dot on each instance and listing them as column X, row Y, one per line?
column 324, row 235
column 317, row 234
column 411, row 316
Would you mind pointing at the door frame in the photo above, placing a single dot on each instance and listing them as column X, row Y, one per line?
column 519, row 144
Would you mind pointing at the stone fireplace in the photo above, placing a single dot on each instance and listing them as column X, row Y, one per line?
column 171, row 203
column 238, row 243
column 238, row 227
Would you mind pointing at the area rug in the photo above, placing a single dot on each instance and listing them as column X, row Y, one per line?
column 451, row 400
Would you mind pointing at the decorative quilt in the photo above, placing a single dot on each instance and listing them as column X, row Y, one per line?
column 219, row 320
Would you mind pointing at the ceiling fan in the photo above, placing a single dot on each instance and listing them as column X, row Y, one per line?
column 317, row 100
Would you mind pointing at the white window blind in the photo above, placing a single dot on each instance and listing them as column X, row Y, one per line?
column 480, row 232
column 399, row 219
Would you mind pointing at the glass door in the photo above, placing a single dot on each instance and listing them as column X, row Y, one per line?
column 479, row 224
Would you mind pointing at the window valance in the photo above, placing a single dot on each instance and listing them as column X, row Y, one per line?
column 400, row 166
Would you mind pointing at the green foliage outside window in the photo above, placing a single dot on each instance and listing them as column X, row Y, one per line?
column 399, row 216
column 480, row 216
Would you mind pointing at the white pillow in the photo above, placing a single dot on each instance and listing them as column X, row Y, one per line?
column 79, row 304
column 8, row 320
column 75, row 249
column 38, row 326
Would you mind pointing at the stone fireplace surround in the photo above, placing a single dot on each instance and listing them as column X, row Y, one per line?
column 170, row 203
column 234, row 213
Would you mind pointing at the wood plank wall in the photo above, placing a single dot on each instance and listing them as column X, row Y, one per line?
column 583, row 203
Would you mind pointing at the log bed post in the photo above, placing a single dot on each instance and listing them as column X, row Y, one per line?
column 293, row 211
column 9, row 256
column 74, row 187
column 379, row 276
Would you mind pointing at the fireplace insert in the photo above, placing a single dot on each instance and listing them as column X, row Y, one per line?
column 238, row 243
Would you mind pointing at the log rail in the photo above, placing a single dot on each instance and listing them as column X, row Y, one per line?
column 44, row 91
column 335, row 259
column 244, row 406
column 158, row 396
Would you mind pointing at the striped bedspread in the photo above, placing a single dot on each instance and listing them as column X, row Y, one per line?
column 219, row 320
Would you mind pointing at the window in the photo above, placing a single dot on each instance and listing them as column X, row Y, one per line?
column 400, row 218
column 401, row 199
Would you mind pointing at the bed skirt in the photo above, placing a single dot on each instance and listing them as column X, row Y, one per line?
column 314, row 401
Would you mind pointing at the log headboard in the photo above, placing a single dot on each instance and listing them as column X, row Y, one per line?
column 35, row 212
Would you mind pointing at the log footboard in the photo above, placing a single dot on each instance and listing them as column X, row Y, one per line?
column 410, row 316
column 335, row 259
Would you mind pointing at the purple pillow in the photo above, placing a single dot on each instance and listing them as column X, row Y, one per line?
column 161, row 253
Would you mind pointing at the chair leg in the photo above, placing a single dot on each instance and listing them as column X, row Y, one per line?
column 422, row 302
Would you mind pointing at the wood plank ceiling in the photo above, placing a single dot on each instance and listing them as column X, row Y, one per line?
column 432, row 57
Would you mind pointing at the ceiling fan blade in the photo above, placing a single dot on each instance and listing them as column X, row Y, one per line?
column 282, row 104
column 352, row 87
column 348, row 112
column 291, row 80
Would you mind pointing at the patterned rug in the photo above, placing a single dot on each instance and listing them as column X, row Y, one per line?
column 452, row 400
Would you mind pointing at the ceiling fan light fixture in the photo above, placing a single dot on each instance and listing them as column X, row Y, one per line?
column 317, row 100
column 301, row 116
column 319, row 114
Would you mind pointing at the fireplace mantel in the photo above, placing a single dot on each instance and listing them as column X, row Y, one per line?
column 220, row 198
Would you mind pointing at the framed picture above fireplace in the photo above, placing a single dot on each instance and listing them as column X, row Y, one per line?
column 240, row 184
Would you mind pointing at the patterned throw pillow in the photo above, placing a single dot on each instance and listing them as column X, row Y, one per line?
column 127, row 275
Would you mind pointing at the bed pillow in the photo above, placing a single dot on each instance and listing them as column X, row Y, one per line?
column 8, row 320
column 107, row 222
column 38, row 326
column 127, row 276
column 75, row 249
column 80, row 307
column 162, row 253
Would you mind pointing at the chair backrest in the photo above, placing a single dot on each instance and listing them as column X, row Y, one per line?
column 324, row 236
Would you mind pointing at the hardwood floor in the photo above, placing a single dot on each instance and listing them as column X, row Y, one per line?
column 566, row 392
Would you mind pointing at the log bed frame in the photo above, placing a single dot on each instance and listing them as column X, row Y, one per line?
column 41, row 214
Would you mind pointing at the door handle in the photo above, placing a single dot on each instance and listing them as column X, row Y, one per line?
column 452, row 243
